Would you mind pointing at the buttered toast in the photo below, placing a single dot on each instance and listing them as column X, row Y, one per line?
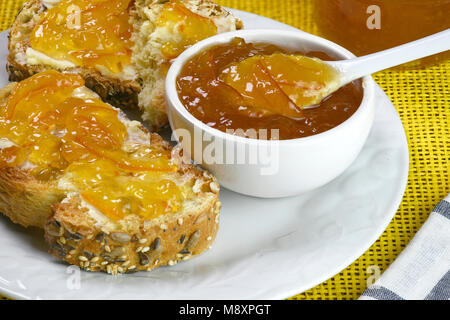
column 109, row 195
column 122, row 48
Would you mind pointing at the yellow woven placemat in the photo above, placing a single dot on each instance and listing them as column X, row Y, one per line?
column 423, row 101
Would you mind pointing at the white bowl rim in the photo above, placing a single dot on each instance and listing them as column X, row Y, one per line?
column 368, row 83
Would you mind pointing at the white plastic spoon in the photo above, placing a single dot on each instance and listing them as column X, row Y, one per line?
column 350, row 70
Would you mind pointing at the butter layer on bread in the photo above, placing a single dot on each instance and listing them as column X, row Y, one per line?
column 77, row 167
column 125, row 65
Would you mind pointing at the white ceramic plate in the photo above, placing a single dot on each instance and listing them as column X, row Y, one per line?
column 265, row 249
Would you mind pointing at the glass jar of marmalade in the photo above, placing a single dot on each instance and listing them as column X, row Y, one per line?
column 368, row 26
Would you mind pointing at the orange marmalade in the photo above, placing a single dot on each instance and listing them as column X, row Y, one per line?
column 87, row 33
column 50, row 126
column 238, row 86
column 186, row 27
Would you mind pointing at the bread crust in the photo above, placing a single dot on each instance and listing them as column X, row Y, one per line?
column 25, row 200
column 142, row 247
column 129, row 245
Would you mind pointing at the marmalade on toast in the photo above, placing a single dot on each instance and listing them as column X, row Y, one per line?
column 87, row 33
column 53, row 132
column 186, row 27
column 97, row 33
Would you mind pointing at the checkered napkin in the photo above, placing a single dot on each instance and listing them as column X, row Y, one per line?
column 422, row 271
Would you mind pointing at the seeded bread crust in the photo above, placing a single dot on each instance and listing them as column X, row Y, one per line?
column 137, row 95
column 129, row 245
column 142, row 246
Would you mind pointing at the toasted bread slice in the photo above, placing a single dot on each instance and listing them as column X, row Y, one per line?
column 119, row 92
column 142, row 87
column 83, row 233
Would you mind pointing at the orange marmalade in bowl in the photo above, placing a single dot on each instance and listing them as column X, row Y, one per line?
column 239, row 86
column 58, row 130
column 89, row 33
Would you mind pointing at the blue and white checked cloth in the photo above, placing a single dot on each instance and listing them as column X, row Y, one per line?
column 422, row 271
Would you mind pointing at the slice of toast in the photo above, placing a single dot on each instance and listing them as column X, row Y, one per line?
column 118, row 92
column 142, row 90
column 82, row 233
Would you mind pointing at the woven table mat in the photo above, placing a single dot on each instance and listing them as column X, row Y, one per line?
column 422, row 100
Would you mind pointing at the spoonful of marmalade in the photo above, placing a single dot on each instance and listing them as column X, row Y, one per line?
column 281, row 83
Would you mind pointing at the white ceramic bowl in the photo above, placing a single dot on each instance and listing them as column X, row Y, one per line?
column 262, row 168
